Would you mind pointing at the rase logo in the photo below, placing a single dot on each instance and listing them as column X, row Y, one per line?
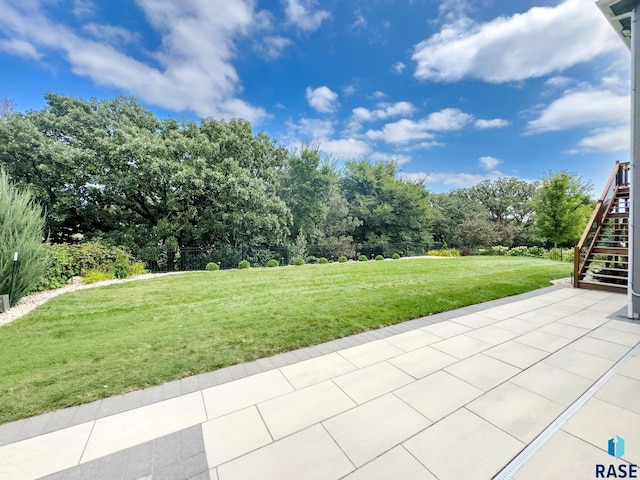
column 615, row 447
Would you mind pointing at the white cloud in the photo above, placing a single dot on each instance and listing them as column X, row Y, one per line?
column 456, row 179
column 110, row 33
column 448, row 119
column 360, row 21
column 615, row 139
column 190, row 71
column 558, row 81
column 603, row 111
column 405, row 130
column 582, row 108
column 273, row 47
column 346, row 148
column 83, row 8
column 300, row 13
column 349, row 89
column 399, row 67
column 538, row 42
column 494, row 123
column 19, row 48
column 489, row 163
column 402, row 131
column 311, row 128
column 384, row 110
column 390, row 157
column 323, row 99
column 379, row 94
column 422, row 146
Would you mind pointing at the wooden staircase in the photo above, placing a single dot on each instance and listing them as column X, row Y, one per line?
column 601, row 260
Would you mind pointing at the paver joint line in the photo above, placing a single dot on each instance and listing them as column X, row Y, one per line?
column 517, row 462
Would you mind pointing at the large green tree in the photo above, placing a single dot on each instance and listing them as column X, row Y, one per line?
column 562, row 206
column 306, row 185
column 508, row 201
column 392, row 209
column 454, row 209
column 110, row 169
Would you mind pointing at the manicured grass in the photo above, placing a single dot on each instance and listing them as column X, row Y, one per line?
column 95, row 343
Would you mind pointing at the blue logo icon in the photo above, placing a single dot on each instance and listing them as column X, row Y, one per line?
column 616, row 446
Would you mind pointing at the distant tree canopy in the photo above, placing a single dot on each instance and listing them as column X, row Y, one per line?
column 110, row 170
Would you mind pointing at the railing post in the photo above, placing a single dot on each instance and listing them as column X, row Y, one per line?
column 576, row 266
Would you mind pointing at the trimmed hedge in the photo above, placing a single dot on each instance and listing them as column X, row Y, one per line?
column 68, row 261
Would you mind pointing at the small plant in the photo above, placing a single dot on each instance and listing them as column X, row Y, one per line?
column 312, row 259
column 137, row 268
column 323, row 260
column 362, row 258
column 518, row 252
column 244, row 264
column 396, row 256
column 448, row 252
column 498, row 250
column 298, row 261
column 536, row 251
column 342, row 259
column 122, row 267
column 273, row 263
column 379, row 257
column 212, row 266
column 97, row 276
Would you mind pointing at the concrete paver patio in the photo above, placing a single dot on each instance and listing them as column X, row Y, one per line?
column 456, row 395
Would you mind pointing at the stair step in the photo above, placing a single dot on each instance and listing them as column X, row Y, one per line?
column 611, row 251
column 607, row 277
column 612, row 269
column 602, row 286
column 618, row 215
column 624, row 264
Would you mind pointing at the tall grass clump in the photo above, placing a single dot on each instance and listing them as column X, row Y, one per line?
column 21, row 230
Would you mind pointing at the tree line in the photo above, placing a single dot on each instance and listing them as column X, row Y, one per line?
column 111, row 171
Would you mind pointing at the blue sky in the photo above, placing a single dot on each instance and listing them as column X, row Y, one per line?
column 456, row 91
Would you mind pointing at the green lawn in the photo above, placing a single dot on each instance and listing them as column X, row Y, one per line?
column 99, row 342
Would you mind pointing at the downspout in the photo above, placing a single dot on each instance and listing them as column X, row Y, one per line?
column 633, row 296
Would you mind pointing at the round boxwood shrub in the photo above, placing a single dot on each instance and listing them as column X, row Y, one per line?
column 323, row 260
column 312, row 259
column 298, row 261
column 273, row 263
column 396, row 256
column 244, row 264
column 211, row 266
column 379, row 257
column 362, row 258
column 342, row 259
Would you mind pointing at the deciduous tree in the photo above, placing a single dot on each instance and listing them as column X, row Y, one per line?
column 562, row 206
